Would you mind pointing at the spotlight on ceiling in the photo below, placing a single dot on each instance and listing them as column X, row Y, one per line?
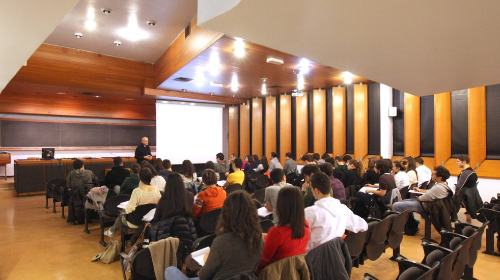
column 264, row 87
column 239, row 47
column 151, row 23
column 117, row 43
column 276, row 61
column 78, row 35
column 347, row 77
column 106, row 11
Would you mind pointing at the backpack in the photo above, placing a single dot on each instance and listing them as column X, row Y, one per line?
column 411, row 226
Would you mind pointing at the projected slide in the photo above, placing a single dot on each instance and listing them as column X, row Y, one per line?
column 186, row 130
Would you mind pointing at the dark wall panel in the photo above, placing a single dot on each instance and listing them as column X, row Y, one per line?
column 350, row 119
column 294, row 128
column 374, row 119
column 459, row 123
column 329, row 121
column 310, row 126
column 398, row 101
column 76, row 135
column 427, row 126
column 30, row 134
column 492, row 122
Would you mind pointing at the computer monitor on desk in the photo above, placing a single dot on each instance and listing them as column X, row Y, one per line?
column 48, row 153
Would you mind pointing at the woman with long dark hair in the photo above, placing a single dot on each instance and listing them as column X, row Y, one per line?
column 372, row 176
column 355, row 174
column 187, row 171
column 263, row 166
column 237, row 248
column 173, row 214
column 290, row 236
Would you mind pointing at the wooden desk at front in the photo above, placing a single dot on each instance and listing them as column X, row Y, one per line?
column 31, row 175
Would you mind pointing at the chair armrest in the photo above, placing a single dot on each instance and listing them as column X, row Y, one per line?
column 405, row 264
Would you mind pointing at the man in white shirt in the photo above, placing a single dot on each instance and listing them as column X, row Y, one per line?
column 275, row 163
column 328, row 218
column 423, row 172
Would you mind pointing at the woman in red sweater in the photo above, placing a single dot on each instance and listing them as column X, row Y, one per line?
column 291, row 235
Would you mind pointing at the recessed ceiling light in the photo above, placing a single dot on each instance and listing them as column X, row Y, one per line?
column 98, row 96
column 106, row 11
column 129, row 99
column 212, row 93
column 151, row 23
column 78, row 35
column 117, row 43
column 239, row 47
column 273, row 60
column 61, row 93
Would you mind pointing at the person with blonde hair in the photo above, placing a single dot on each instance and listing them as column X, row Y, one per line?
column 355, row 174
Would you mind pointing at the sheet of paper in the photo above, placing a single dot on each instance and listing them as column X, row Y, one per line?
column 122, row 205
column 415, row 192
column 221, row 183
column 363, row 189
column 199, row 256
column 149, row 216
column 263, row 212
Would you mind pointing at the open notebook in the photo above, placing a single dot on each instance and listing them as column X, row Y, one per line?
column 199, row 256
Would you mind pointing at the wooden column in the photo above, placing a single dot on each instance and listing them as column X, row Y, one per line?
column 339, row 120
column 233, row 131
column 319, row 121
column 360, row 121
column 270, row 125
column 477, row 125
column 256, row 127
column 412, row 125
column 285, row 126
column 244, row 129
column 301, row 125
column 442, row 127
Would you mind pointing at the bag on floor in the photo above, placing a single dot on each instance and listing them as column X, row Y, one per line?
column 109, row 254
column 140, row 243
column 411, row 226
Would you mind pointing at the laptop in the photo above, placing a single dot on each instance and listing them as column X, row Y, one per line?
column 48, row 153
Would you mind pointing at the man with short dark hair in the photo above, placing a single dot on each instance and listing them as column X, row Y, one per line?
column 278, row 178
column 115, row 177
column 168, row 169
column 80, row 176
column 221, row 166
column 336, row 185
column 316, row 157
column 307, row 159
column 423, row 172
column 274, row 163
column 307, row 172
column 328, row 218
column 238, row 176
column 143, row 151
column 466, row 179
column 290, row 164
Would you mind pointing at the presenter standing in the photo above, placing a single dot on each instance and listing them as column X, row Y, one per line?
column 143, row 151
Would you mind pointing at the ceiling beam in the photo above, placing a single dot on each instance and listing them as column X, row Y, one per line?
column 183, row 50
column 193, row 96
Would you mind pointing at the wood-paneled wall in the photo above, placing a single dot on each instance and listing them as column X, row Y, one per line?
column 285, row 126
column 477, row 125
column 302, row 125
column 360, row 121
column 233, row 130
column 319, row 105
column 412, row 125
column 442, row 127
column 270, row 145
column 339, row 120
column 256, row 127
column 244, row 129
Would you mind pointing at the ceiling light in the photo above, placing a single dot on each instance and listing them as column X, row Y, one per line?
column 214, row 64
column 132, row 31
column 360, row 84
column 212, row 93
column 300, row 81
column 106, row 11
column 304, row 66
column 276, row 61
column 234, row 83
column 215, row 84
column 61, row 93
column 184, row 90
column 117, row 43
column 239, row 47
column 129, row 99
column 78, row 35
column 151, row 23
column 347, row 77
column 264, row 87
column 97, row 96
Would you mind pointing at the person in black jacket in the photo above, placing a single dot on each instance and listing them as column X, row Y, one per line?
column 143, row 151
column 116, row 175
column 173, row 214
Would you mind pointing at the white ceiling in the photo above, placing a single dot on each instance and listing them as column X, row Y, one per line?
column 171, row 18
column 420, row 47
column 25, row 24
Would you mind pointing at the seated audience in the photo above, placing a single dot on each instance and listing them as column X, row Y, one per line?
column 264, row 167
column 409, row 164
column 307, row 172
column 278, row 178
column 237, row 249
column 238, row 176
column 336, row 185
column 340, row 167
column 210, row 165
column 144, row 194
column 157, row 180
column 173, row 214
column 290, row 164
column 328, row 218
column 221, row 166
column 440, row 190
column 291, row 235
column 247, row 163
column 188, row 172
column 371, row 175
column 400, row 176
column 384, row 191
column 316, row 157
column 167, row 169
column 80, row 176
column 132, row 182
column 256, row 161
column 355, row 174
column 158, row 165
column 211, row 198
column 324, row 157
column 275, row 162
column 115, row 177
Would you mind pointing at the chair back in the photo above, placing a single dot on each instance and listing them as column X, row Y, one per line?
column 60, row 192
column 379, row 235
column 203, row 242
column 135, row 217
column 111, row 205
column 261, row 182
column 142, row 266
column 190, row 186
column 404, row 192
column 259, row 195
column 51, row 185
column 291, row 268
column 398, row 229
column 446, row 268
column 266, row 224
column 355, row 243
column 208, row 221
column 290, row 177
column 222, row 176
column 233, row 188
